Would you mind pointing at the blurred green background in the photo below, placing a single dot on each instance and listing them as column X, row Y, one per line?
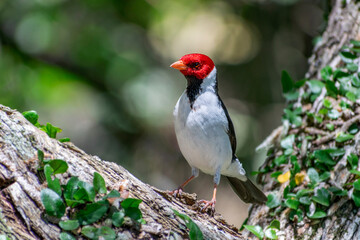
column 99, row 69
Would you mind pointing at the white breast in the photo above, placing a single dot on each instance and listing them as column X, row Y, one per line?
column 202, row 132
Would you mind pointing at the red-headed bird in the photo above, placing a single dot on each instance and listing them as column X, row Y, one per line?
column 205, row 132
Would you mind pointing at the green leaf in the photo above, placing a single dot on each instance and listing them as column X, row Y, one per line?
column 40, row 155
column 313, row 175
column 118, row 218
column 353, row 160
column 322, row 197
column 51, row 130
column 357, row 184
column 292, row 203
column 194, row 231
column 66, row 236
column 106, row 233
column 52, row 184
column 296, row 213
column 330, row 126
column 280, row 160
column 99, row 183
column 300, row 83
column 333, row 114
column 305, row 200
column 31, row 116
column 303, row 192
column 276, row 174
column 356, row 197
column 326, row 73
column 351, row 96
column 338, row 74
column 324, row 157
column 286, row 82
column 92, row 212
column 54, row 206
column 335, row 152
column 327, row 103
column 130, row 202
column 293, row 117
column 352, row 67
column 112, row 194
column 58, row 165
column 89, row 232
column 69, row 225
column 343, row 137
column 270, row 233
column 292, row 95
column 131, row 207
column 70, row 188
column 288, row 141
column 355, row 43
column 64, row 140
column 315, row 86
column 355, row 81
column 318, row 214
column 275, row 224
column 84, row 191
column 354, row 172
column 272, row 201
column 347, row 57
column 337, row 191
column 256, row 230
column 353, row 129
column 324, row 176
column 331, row 88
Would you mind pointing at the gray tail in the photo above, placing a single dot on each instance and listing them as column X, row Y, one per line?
column 247, row 191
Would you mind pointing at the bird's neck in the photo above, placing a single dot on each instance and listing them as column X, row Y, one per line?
column 196, row 86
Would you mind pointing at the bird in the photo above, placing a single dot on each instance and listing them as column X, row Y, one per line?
column 205, row 132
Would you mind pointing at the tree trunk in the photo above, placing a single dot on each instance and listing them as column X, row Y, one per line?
column 22, row 209
column 342, row 220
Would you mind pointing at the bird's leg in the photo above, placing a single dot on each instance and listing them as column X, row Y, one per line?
column 177, row 192
column 212, row 202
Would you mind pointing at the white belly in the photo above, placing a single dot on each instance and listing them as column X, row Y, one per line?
column 202, row 133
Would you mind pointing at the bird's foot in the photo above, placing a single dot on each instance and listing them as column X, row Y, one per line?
column 208, row 205
column 177, row 192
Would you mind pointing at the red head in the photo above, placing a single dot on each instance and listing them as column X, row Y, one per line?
column 195, row 64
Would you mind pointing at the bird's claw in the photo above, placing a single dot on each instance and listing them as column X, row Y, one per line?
column 207, row 205
column 176, row 192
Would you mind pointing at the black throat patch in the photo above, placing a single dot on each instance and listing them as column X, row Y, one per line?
column 193, row 88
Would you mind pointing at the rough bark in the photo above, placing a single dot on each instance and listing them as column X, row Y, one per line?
column 22, row 209
column 343, row 217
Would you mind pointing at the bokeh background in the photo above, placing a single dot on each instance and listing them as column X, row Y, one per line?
column 99, row 69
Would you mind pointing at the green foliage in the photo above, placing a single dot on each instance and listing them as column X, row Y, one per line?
column 50, row 130
column 94, row 233
column 194, row 231
column 53, row 203
column 69, row 225
column 286, row 82
column 66, row 236
column 84, row 202
column 99, row 183
column 273, row 201
column 310, row 197
column 270, row 232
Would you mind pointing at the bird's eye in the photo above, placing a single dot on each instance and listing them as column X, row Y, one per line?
column 195, row 65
